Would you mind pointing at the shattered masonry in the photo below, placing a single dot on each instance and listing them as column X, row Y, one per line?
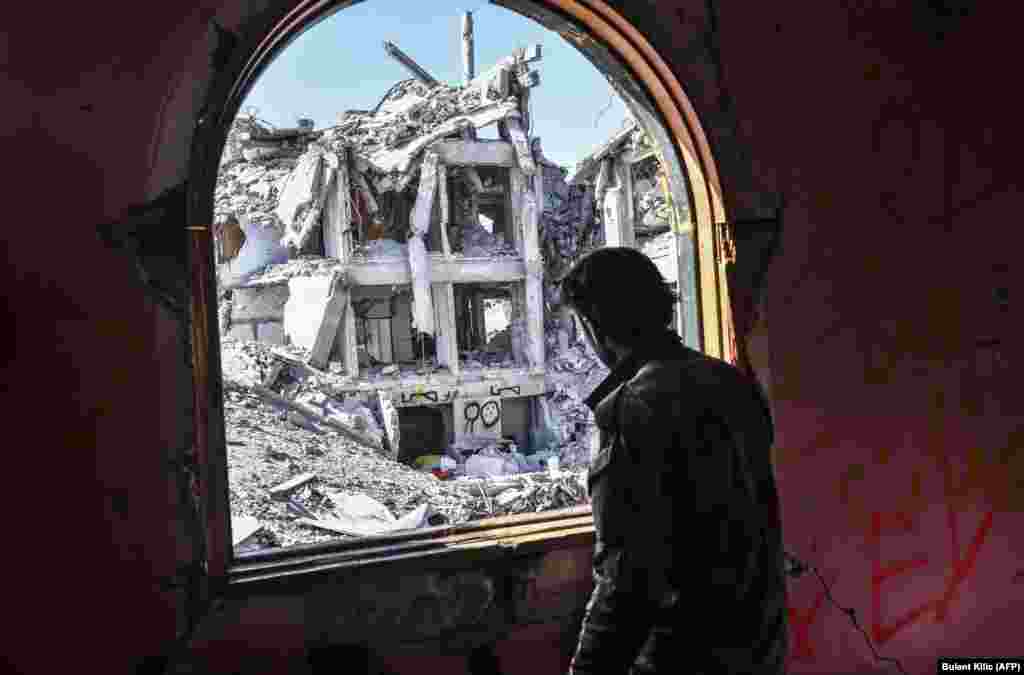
column 303, row 215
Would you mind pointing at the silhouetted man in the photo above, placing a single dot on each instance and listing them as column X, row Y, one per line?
column 688, row 561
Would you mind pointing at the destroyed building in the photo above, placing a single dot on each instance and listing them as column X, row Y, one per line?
column 626, row 179
column 390, row 279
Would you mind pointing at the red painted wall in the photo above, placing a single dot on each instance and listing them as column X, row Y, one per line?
column 899, row 455
column 899, row 438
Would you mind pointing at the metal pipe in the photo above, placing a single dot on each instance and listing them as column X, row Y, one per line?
column 468, row 65
column 410, row 65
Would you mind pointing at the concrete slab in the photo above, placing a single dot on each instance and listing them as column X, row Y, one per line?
column 300, row 189
column 304, row 311
column 271, row 333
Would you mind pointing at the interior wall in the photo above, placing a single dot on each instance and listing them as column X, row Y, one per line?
column 885, row 332
column 898, row 449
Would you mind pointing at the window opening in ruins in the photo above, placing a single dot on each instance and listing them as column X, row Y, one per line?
column 393, row 352
column 490, row 325
column 483, row 223
column 387, row 341
column 650, row 200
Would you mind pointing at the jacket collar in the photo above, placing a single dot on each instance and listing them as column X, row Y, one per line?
column 662, row 345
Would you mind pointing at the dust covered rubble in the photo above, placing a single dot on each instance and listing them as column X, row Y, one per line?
column 278, row 180
column 269, row 445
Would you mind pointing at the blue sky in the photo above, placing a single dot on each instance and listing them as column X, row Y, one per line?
column 340, row 64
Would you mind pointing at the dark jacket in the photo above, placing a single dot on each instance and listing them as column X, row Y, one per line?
column 688, row 561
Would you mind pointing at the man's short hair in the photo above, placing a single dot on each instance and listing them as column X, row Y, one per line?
column 621, row 291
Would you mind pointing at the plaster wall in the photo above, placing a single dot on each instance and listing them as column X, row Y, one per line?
column 892, row 358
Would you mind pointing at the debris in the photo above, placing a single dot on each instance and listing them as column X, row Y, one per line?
column 333, row 313
column 275, row 371
column 284, row 489
column 313, row 415
column 515, row 130
column 299, row 509
column 423, row 310
column 486, row 465
column 242, row 528
column 363, row 516
column 431, row 462
column 278, row 455
column 261, row 248
column 410, row 65
column 299, row 190
column 507, row 497
column 382, row 248
column 345, row 180
column 302, row 422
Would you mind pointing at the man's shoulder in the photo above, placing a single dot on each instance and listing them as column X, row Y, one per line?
column 691, row 373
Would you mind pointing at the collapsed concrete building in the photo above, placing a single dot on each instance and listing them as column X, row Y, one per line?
column 402, row 268
column 626, row 179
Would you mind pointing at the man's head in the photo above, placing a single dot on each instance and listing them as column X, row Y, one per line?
column 621, row 296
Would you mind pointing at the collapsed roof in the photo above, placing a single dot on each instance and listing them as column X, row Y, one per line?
column 385, row 145
column 652, row 208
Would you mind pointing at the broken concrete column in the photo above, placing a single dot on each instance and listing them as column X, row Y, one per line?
column 419, row 264
column 300, row 189
column 615, row 225
column 443, row 197
column 447, row 342
column 337, row 214
column 532, row 199
column 522, row 145
column 307, row 220
column 334, row 309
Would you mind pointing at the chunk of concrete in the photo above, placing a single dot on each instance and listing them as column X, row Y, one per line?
column 271, row 333
column 300, row 189
column 308, row 299
column 262, row 247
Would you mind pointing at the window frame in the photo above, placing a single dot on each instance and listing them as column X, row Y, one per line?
column 622, row 50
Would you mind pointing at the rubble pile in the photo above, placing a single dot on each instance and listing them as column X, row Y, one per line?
column 477, row 242
column 653, row 209
column 572, row 375
column 298, row 478
column 411, row 110
column 255, row 163
column 310, row 459
column 299, row 266
column 284, row 180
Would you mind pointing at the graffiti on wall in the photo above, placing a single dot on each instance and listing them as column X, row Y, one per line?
column 962, row 489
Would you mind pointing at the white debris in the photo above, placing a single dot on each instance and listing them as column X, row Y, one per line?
column 243, row 527
column 383, row 248
column 262, row 247
column 363, row 516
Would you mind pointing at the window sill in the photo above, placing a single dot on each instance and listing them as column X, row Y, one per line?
column 464, row 546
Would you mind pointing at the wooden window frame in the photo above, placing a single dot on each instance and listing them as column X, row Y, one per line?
column 631, row 54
